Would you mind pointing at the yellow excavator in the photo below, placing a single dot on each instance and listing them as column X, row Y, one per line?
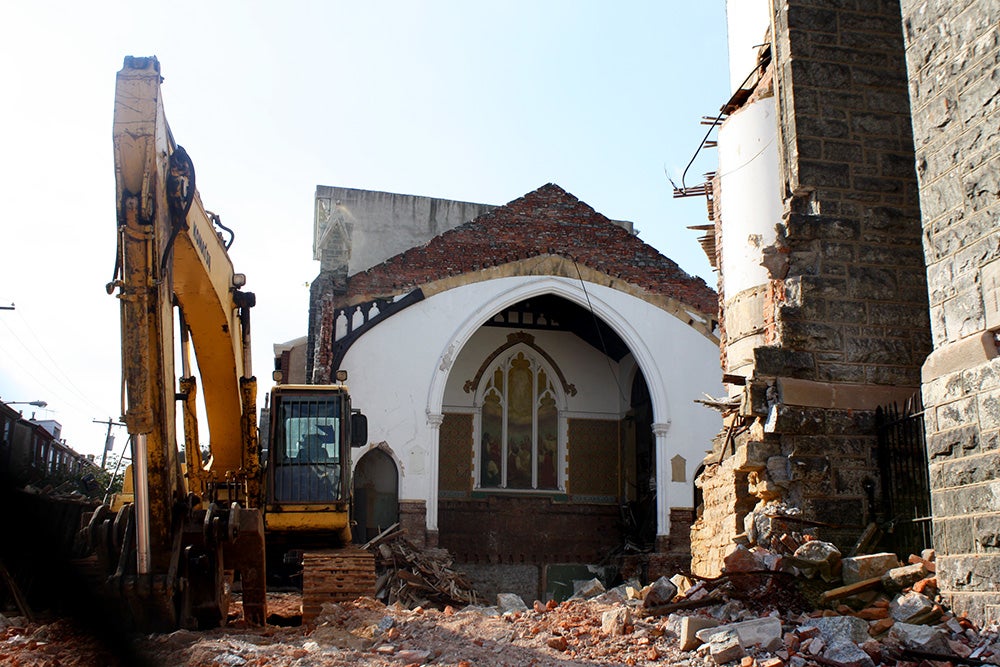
column 195, row 520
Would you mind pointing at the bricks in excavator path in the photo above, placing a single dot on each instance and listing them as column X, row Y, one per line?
column 335, row 575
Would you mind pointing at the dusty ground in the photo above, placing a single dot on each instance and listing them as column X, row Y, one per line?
column 367, row 633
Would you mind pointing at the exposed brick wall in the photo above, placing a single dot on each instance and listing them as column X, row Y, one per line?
column 550, row 221
column 323, row 292
column 413, row 521
column 526, row 529
column 953, row 55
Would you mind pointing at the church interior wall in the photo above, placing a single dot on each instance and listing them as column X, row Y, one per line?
column 574, row 523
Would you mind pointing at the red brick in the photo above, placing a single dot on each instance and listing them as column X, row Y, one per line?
column 547, row 221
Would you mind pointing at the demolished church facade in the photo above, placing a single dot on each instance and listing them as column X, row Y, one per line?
column 530, row 375
column 854, row 227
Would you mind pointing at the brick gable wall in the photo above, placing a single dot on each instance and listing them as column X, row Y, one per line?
column 547, row 221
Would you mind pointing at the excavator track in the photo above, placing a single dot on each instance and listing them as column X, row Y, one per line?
column 335, row 575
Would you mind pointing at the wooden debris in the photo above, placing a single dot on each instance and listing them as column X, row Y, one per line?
column 417, row 577
column 851, row 589
column 15, row 593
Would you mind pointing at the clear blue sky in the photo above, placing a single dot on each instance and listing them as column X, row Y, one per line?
column 474, row 101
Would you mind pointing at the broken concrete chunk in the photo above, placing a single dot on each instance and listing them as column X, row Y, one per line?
column 741, row 559
column 899, row 578
column 905, row 608
column 587, row 588
column 823, row 556
column 682, row 583
column 615, row 595
column 659, row 593
column 615, row 621
column 839, row 629
column 725, row 647
column 510, row 602
column 848, row 654
column 817, row 551
column 920, row 637
column 765, row 632
column 690, row 625
column 859, row 568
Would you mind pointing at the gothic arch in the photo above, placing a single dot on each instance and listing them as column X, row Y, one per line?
column 571, row 291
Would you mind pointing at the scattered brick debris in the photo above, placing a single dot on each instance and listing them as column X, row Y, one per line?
column 885, row 616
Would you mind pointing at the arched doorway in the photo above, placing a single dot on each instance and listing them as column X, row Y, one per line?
column 639, row 492
column 376, row 495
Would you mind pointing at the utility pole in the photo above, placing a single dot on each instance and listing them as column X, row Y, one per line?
column 107, row 439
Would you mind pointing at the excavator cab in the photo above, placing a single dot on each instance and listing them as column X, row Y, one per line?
column 307, row 458
column 312, row 429
column 307, row 511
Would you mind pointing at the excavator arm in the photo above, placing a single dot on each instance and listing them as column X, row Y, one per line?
column 192, row 522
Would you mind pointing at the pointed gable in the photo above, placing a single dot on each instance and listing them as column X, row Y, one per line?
column 547, row 221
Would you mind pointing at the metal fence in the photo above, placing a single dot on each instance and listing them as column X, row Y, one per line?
column 906, row 490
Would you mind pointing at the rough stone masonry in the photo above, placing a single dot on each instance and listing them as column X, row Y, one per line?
column 841, row 323
column 953, row 60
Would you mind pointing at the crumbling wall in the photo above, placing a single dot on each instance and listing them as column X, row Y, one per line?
column 953, row 55
column 840, row 325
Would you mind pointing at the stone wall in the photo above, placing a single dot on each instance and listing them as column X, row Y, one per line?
column 953, row 56
column 846, row 325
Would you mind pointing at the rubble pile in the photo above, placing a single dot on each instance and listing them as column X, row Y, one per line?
column 796, row 603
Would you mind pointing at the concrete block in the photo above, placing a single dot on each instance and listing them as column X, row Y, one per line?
column 765, row 632
column 859, row 568
column 690, row 626
column 725, row 647
column 838, row 629
column 911, row 605
column 848, row 654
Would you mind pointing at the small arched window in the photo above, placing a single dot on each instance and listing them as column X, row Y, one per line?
column 519, row 426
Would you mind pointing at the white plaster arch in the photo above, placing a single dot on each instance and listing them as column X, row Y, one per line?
column 570, row 290
column 383, row 446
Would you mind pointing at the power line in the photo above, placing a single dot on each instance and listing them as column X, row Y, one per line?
column 55, row 363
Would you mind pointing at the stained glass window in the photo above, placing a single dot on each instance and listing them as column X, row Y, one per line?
column 519, row 446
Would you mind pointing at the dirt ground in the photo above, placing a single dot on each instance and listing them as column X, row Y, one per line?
column 365, row 632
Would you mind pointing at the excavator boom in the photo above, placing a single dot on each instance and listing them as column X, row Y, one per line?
column 192, row 522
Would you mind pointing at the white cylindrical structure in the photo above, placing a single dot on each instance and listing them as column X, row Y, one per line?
column 747, row 22
column 748, row 168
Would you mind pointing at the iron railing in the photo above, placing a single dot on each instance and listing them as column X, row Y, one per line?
column 903, row 466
